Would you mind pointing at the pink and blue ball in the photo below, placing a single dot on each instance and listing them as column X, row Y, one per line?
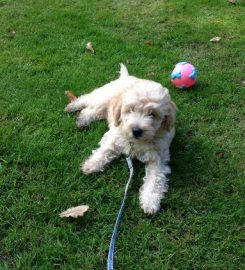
column 184, row 75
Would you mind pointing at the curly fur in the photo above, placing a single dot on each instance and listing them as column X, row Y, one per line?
column 130, row 103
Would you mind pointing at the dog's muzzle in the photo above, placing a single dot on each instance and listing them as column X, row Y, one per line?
column 137, row 132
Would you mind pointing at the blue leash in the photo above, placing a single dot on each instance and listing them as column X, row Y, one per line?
column 110, row 258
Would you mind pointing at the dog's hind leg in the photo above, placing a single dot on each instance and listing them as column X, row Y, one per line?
column 89, row 115
column 97, row 98
column 78, row 104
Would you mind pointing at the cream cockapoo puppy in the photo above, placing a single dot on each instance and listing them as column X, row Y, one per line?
column 141, row 119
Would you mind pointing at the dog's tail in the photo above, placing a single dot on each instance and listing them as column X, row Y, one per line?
column 123, row 71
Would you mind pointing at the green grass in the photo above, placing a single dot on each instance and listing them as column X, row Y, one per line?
column 202, row 221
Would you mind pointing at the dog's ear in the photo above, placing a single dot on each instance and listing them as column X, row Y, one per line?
column 116, row 110
column 169, row 120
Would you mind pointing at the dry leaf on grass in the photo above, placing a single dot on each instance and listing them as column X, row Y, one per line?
column 150, row 73
column 220, row 154
column 149, row 43
column 215, row 39
column 11, row 33
column 70, row 95
column 89, row 47
column 75, row 212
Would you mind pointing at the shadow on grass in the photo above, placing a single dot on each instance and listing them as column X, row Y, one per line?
column 190, row 165
column 189, row 158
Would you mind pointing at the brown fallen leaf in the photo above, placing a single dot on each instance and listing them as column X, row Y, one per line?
column 215, row 39
column 75, row 212
column 11, row 33
column 149, row 43
column 70, row 96
column 220, row 154
column 150, row 73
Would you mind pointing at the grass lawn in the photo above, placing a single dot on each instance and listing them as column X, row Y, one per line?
column 42, row 55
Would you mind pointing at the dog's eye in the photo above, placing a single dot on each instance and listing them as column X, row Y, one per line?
column 153, row 115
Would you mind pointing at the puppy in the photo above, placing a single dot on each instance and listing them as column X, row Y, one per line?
column 141, row 119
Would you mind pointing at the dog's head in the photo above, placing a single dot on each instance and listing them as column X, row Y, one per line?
column 144, row 112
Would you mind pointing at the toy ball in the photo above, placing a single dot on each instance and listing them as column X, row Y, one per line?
column 184, row 75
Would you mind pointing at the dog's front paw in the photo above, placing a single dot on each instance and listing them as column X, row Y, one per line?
column 150, row 208
column 89, row 167
column 150, row 201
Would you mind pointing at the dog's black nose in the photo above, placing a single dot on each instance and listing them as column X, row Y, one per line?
column 137, row 132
